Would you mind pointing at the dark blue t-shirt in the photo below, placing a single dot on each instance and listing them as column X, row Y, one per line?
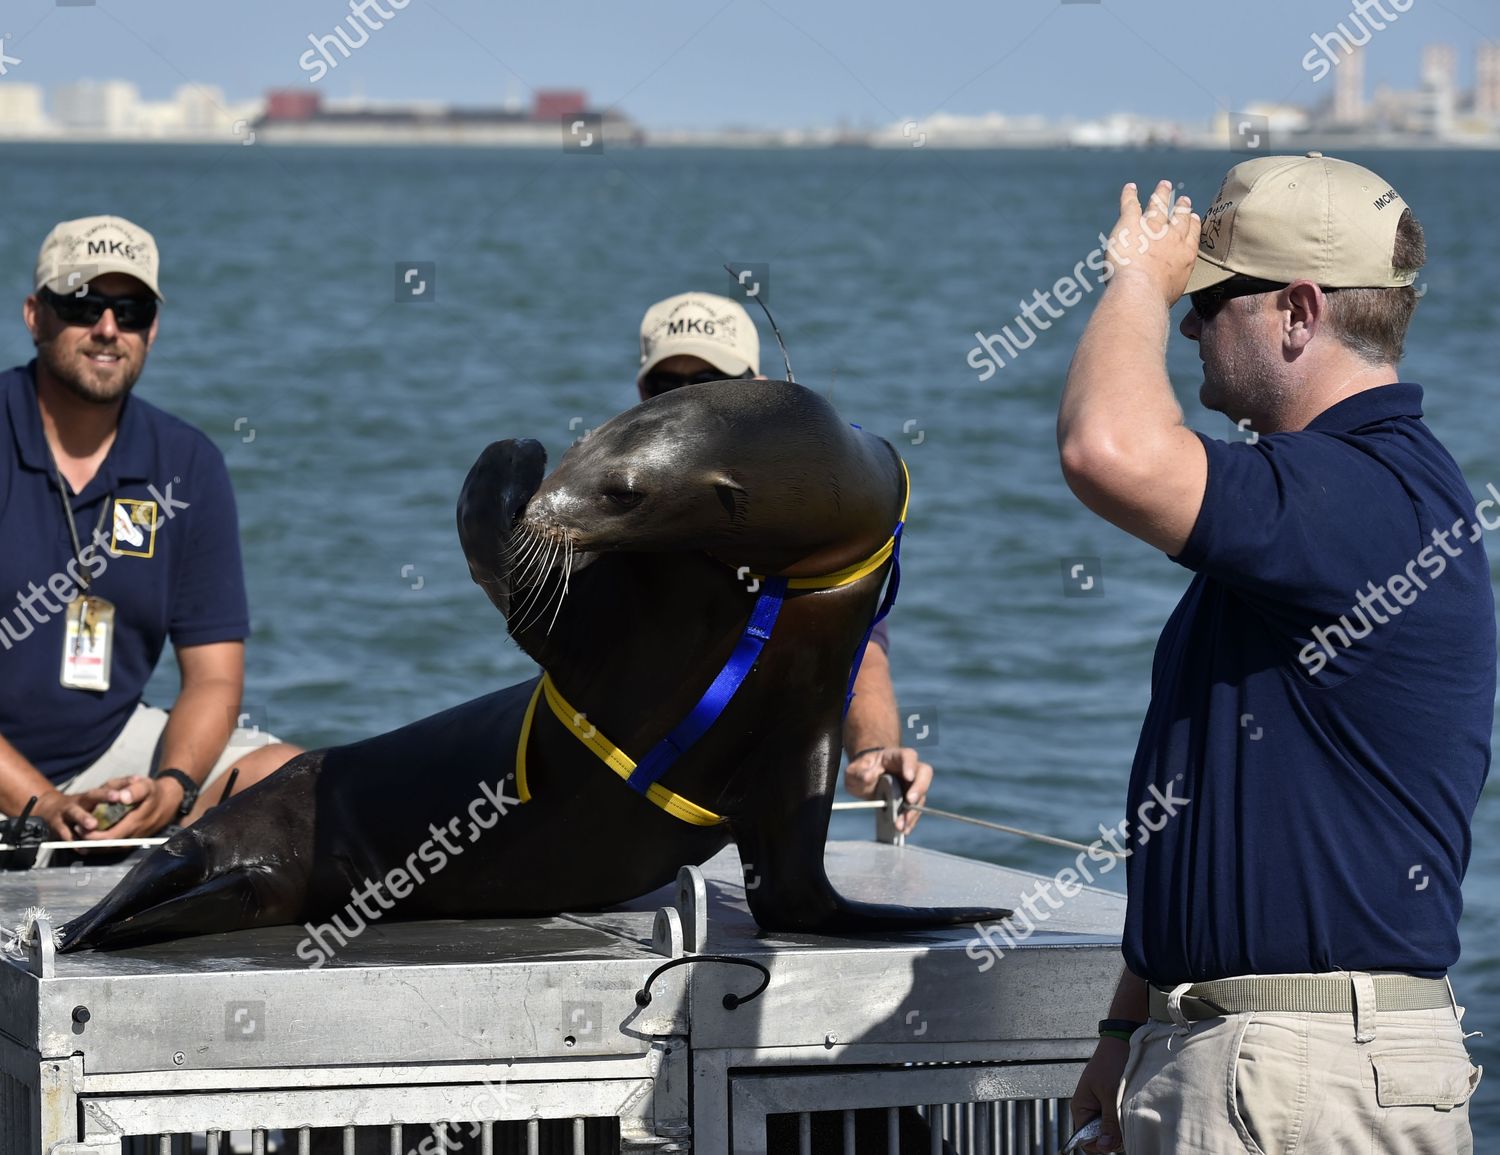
column 1323, row 697
column 168, row 557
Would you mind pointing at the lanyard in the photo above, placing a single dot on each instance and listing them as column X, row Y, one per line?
column 62, row 492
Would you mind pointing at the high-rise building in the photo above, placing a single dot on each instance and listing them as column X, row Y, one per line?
column 1440, row 67
column 1349, row 89
column 21, row 110
column 108, row 107
column 199, row 107
column 1439, row 95
column 1487, row 80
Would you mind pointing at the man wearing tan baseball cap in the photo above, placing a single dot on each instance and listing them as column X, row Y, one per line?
column 120, row 533
column 78, row 252
column 695, row 338
column 1304, row 786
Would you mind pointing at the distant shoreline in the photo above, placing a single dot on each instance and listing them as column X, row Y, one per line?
column 1285, row 144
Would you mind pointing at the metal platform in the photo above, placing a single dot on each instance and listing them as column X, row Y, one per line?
column 512, row 1029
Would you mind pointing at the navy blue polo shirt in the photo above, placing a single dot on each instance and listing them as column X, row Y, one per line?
column 168, row 557
column 1322, row 697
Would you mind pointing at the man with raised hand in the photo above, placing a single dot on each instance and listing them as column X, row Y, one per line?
column 694, row 338
column 120, row 532
column 1323, row 696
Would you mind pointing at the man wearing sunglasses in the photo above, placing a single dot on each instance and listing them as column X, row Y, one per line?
column 695, row 338
column 119, row 533
column 1323, row 696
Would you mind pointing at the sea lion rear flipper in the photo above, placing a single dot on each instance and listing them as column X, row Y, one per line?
column 171, row 894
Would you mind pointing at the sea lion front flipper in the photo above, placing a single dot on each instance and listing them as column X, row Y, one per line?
column 494, row 494
column 788, row 889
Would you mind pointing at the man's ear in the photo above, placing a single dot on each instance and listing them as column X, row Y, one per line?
column 31, row 314
column 1306, row 306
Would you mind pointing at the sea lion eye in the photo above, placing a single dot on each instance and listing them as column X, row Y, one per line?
column 624, row 497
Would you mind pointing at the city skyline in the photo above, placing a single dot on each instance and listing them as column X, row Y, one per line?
column 1439, row 111
column 748, row 62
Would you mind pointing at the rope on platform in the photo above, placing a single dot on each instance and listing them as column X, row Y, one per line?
column 1031, row 834
column 83, row 844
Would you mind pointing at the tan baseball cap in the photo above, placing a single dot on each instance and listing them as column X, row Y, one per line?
column 77, row 251
column 1292, row 218
column 700, row 325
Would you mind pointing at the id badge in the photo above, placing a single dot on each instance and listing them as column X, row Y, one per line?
column 87, row 643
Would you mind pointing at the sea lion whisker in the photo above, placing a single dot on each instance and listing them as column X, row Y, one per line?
column 529, row 543
column 524, row 540
column 538, row 609
column 536, row 603
column 528, row 600
column 525, row 564
column 562, row 593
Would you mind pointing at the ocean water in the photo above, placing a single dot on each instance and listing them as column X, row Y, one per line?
column 349, row 417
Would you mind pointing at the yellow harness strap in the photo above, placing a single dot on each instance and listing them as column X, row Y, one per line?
column 852, row 573
column 619, row 761
column 610, row 754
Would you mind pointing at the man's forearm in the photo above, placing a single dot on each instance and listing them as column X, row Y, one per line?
column 19, row 780
column 1130, row 1001
column 199, row 726
column 873, row 719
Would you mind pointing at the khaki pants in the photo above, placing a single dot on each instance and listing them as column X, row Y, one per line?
column 1397, row 1083
column 135, row 749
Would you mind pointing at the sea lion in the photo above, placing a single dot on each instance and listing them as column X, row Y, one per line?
column 629, row 574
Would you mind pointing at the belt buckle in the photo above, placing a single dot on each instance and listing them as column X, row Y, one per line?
column 1216, row 1010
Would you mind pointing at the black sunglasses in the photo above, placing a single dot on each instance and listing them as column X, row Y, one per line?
column 659, row 381
column 133, row 314
column 1208, row 302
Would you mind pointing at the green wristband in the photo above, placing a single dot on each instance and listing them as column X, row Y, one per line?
column 1123, row 1036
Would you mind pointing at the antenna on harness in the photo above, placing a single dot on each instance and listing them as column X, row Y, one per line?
column 785, row 360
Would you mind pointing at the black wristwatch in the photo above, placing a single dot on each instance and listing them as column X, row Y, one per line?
column 189, row 788
column 1120, row 1029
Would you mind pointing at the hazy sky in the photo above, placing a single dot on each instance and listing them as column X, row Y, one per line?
column 757, row 62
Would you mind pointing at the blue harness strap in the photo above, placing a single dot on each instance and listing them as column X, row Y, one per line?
column 746, row 652
column 649, row 770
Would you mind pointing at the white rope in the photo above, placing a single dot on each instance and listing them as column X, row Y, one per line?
column 85, row 844
column 1031, row 834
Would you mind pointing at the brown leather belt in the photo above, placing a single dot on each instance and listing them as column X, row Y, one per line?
column 1332, row 995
